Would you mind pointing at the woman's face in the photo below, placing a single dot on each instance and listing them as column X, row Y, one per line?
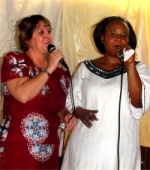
column 116, row 33
column 41, row 38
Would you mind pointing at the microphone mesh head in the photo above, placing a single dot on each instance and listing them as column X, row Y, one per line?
column 50, row 48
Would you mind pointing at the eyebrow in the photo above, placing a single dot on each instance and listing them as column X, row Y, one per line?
column 122, row 31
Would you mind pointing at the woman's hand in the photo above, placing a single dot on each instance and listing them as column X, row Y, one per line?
column 86, row 116
column 129, row 56
column 125, row 54
column 53, row 60
column 68, row 121
column 71, row 122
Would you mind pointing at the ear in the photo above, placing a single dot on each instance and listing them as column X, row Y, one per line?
column 102, row 38
column 27, row 42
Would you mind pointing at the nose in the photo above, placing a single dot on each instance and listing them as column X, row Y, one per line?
column 48, row 35
column 118, row 36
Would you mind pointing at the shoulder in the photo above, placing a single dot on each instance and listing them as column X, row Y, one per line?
column 15, row 54
column 83, row 64
column 15, row 65
column 89, row 64
column 142, row 68
column 82, row 68
column 15, row 57
column 141, row 65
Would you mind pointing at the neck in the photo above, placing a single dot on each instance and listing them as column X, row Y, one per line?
column 39, row 61
column 112, row 60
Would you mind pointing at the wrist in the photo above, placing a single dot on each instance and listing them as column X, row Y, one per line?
column 44, row 70
column 130, row 66
column 78, row 112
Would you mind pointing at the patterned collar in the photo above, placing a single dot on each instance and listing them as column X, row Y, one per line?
column 104, row 73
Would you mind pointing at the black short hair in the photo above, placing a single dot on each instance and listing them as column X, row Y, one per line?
column 99, row 30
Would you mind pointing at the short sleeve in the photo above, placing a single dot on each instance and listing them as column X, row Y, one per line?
column 14, row 66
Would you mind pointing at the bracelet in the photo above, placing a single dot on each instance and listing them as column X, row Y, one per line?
column 45, row 71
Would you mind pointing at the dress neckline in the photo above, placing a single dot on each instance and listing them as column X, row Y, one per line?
column 104, row 73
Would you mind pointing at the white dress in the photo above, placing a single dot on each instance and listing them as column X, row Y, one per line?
column 96, row 148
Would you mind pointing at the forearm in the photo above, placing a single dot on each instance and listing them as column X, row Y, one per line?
column 25, row 89
column 134, row 86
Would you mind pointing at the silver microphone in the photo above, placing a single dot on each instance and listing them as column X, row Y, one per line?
column 120, row 53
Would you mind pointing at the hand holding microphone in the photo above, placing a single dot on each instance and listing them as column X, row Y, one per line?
column 127, row 54
column 124, row 54
column 50, row 49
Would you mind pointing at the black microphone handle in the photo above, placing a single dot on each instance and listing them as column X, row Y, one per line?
column 62, row 61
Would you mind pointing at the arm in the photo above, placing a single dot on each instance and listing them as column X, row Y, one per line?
column 24, row 89
column 134, row 83
column 86, row 116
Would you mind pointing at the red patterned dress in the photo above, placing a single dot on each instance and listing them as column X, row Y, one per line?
column 32, row 140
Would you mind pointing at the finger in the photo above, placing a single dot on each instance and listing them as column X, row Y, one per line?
column 74, row 128
column 72, row 125
column 71, row 118
column 71, row 128
column 94, row 111
column 92, row 117
column 71, row 121
column 56, row 55
column 68, row 118
column 87, row 122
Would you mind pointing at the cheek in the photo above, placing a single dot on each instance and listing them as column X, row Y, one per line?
column 35, row 39
column 51, row 38
column 108, row 41
column 125, row 42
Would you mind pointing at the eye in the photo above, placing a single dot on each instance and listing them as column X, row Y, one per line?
column 49, row 31
column 41, row 31
column 124, row 35
column 113, row 33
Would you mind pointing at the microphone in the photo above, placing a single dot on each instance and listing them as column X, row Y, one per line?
column 124, row 54
column 50, row 49
column 120, row 53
